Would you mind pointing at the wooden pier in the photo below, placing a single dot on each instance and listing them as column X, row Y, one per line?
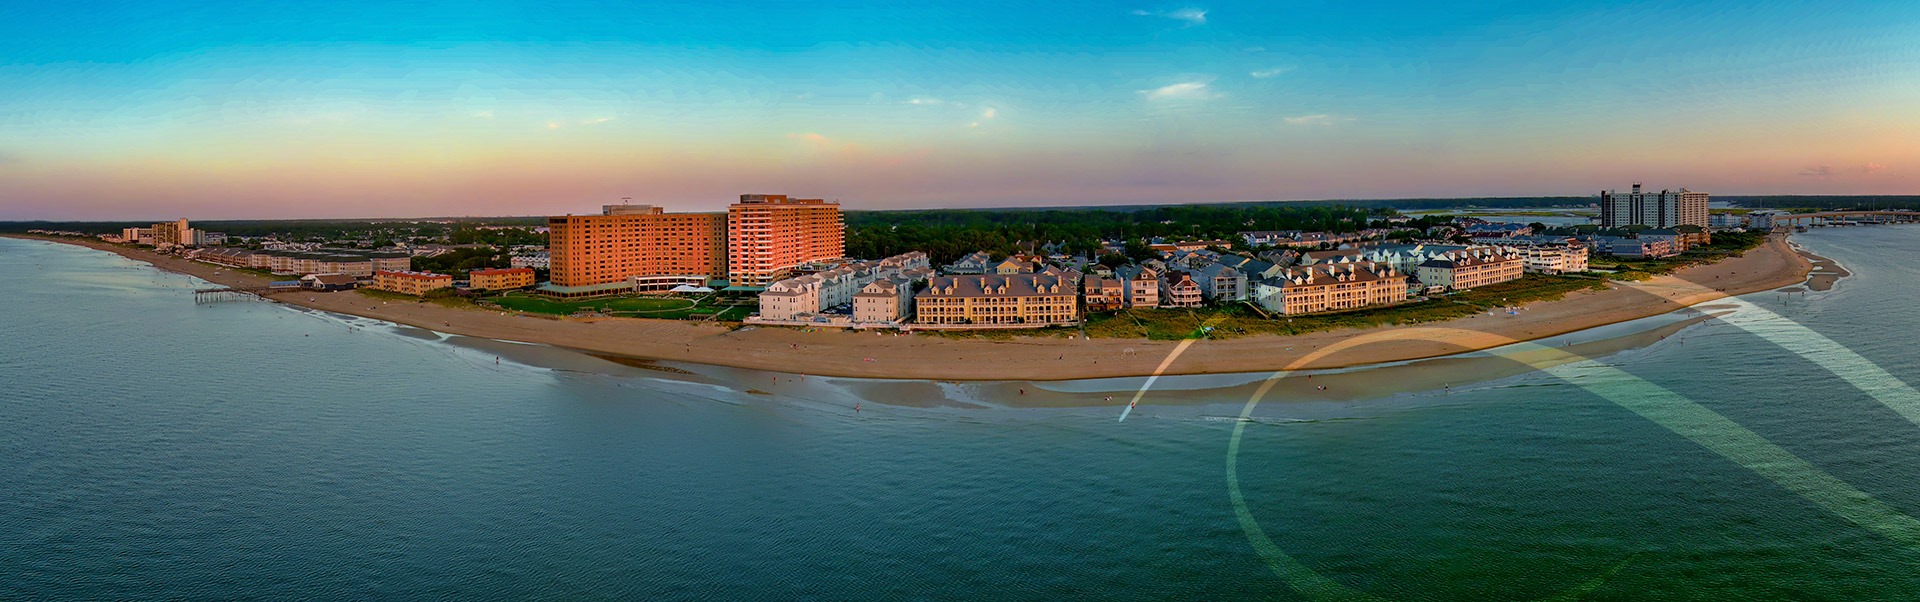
column 248, row 293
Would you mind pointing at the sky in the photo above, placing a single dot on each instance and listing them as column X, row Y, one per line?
column 393, row 108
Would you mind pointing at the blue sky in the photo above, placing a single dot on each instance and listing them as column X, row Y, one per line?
column 228, row 109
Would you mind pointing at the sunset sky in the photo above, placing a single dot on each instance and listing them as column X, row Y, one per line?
column 350, row 108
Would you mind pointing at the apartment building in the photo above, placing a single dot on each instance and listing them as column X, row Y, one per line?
column 806, row 296
column 1331, row 287
column 634, row 240
column 1547, row 255
column 501, row 279
column 884, row 301
column 1664, row 209
column 1023, row 299
column 768, row 235
column 1472, row 268
column 410, row 282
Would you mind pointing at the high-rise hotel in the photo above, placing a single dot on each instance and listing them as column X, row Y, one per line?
column 757, row 241
column 634, row 240
column 769, row 234
column 1664, row 209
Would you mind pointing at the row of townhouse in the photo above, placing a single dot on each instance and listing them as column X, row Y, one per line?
column 1547, row 254
column 1026, row 300
column 1330, row 287
column 355, row 263
column 804, row 297
column 1471, row 268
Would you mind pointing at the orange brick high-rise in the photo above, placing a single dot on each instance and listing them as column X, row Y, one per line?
column 769, row 234
column 635, row 240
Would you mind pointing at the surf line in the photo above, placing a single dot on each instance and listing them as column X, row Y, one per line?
column 1174, row 355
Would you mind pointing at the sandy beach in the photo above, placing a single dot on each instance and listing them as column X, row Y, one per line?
column 870, row 355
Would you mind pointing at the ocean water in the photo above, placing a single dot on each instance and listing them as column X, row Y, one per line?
column 154, row 448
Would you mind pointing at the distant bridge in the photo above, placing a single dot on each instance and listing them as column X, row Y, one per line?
column 1863, row 216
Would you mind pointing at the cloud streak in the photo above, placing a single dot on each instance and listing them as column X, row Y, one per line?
column 1189, row 90
column 1266, row 73
column 1190, row 16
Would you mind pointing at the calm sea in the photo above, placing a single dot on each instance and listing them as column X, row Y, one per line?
column 153, row 448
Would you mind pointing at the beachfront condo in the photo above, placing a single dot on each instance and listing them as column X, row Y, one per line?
column 587, row 251
column 768, row 235
column 1331, row 287
column 993, row 300
column 410, row 282
column 501, row 279
column 1475, row 267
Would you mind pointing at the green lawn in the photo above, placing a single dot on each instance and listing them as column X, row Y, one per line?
column 668, row 308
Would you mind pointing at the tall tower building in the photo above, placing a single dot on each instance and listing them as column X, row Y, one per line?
column 1664, row 209
column 769, row 234
column 635, row 240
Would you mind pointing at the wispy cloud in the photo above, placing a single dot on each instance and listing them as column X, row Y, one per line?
column 986, row 115
column 596, row 121
column 923, row 101
column 1189, row 90
column 483, row 114
column 1317, row 119
column 1872, row 167
column 1266, row 73
column 1191, row 16
column 1817, row 171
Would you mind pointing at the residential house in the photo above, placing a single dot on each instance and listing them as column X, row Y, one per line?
column 1105, row 294
column 1222, row 283
column 1179, row 289
column 1143, row 285
column 977, row 262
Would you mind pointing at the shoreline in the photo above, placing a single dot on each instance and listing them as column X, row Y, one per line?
column 871, row 355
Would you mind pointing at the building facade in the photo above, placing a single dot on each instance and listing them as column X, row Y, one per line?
column 1664, row 209
column 501, row 279
column 1024, row 299
column 770, row 234
column 1142, row 285
column 1469, row 269
column 1179, row 289
column 1105, row 294
column 884, row 301
column 634, row 240
column 411, row 283
column 1331, row 287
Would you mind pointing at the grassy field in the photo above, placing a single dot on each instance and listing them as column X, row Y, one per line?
column 1239, row 319
column 667, row 308
column 1726, row 244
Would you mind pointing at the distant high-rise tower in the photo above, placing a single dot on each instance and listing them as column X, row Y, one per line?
column 1664, row 209
column 769, row 234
